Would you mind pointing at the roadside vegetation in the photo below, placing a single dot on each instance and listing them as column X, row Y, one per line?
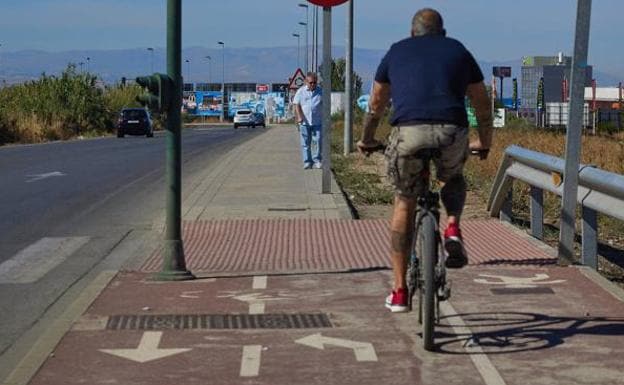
column 362, row 178
column 61, row 107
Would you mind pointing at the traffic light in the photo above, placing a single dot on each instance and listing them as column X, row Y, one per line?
column 160, row 92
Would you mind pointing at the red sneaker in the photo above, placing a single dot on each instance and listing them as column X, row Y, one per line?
column 397, row 301
column 454, row 245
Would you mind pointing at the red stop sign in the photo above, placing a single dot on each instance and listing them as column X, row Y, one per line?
column 327, row 3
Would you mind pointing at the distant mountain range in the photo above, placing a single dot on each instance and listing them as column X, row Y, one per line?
column 263, row 65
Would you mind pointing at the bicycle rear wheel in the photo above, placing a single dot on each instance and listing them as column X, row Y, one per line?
column 428, row 259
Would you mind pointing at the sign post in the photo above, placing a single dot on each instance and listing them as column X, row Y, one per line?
column 327, row 89
column 573, row 135
column 501, row 73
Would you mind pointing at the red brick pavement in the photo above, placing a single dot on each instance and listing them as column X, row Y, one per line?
column 311, row 245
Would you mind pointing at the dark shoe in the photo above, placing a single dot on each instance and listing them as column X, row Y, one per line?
column 454, row 245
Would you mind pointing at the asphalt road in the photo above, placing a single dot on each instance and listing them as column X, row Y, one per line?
column 83, row 198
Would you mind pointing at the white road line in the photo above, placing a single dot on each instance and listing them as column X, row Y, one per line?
column 486, row 369
column 259, row 282
column 32, row 263
column 250, row 364
column 256, row 308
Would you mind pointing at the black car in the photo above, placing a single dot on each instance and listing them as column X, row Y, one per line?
column 134, row 121
column 257, row 119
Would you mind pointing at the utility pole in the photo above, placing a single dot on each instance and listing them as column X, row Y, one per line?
column 573, row 135
column 348, row 122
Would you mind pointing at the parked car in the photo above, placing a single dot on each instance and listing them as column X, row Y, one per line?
column 258, row 119
column 243, row 117
column 134, row 121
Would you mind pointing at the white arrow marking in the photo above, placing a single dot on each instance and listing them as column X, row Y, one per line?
column 190, row 294
column 364, row 351
column 250, row 364
column 517, row 282
column 38, row 177
column 259, row 282
column 147, row 350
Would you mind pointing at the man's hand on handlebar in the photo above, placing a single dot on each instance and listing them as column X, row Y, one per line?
column 478, row 149
column 369, row 147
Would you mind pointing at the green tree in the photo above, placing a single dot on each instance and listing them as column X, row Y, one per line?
column 338, row 71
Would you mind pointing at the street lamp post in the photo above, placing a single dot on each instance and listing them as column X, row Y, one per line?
column 306, row 45
column 302, row 5
column 209, row 68
column 151, row 50
column 298, row 47
column 188, row 70
column 222, row 44
column 88, row 62
column 81, row 64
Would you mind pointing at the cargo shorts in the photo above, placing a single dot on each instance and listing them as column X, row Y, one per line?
column 405, row 169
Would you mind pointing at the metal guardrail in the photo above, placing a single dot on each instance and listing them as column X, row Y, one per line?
column 599, row 191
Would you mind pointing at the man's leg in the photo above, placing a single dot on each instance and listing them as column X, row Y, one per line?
column 306, row 138
column 317, row 139
column 402, row 235
column 453, row 196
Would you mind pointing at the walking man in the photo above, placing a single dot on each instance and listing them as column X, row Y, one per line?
column 308, row 112
column 427, row 76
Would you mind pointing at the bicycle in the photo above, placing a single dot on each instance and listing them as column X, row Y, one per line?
column 429, row 277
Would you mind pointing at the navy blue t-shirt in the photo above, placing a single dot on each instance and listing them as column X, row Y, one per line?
column 429, row 76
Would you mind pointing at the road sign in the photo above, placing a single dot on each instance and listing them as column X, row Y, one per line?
column 501, row 72
column 297, row 81
column 262, row 88
column 327, row 3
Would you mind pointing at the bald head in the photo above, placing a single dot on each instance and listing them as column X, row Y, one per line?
column 427, row 21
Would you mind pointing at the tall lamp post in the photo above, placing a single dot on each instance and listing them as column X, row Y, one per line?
column 303, row 5
column 188, row 70
column 88, row 62
column 151, row 51
column 306, row 45
column 209, row 68
column 222, row 44
column 298, row 47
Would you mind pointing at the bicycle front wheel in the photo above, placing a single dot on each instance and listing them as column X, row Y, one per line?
column 428, row 257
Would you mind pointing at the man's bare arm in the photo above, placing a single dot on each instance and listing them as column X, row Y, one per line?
column 377, row 105
column 299, row 112
column 477, row 93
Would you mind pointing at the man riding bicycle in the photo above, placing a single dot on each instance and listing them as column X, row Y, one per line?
column 427, row 76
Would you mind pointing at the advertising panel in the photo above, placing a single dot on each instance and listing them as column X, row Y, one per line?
column 271, row 104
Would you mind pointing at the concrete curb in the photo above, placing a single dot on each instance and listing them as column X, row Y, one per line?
column 45, row 344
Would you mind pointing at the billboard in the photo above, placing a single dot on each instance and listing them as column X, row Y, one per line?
column 271, row 104
column 203, row 103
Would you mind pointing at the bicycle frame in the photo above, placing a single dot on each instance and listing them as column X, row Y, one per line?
column 427, row 210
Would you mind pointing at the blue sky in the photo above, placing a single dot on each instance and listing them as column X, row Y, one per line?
column 492, row 29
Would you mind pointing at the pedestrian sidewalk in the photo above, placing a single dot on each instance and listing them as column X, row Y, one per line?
column 291, row 290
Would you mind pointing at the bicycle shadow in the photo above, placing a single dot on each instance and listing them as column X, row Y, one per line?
column 514, row 332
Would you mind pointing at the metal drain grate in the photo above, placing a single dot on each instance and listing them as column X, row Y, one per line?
column 521, row 290
column 218, row 321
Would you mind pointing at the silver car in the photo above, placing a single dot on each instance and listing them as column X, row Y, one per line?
column 243, row 117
